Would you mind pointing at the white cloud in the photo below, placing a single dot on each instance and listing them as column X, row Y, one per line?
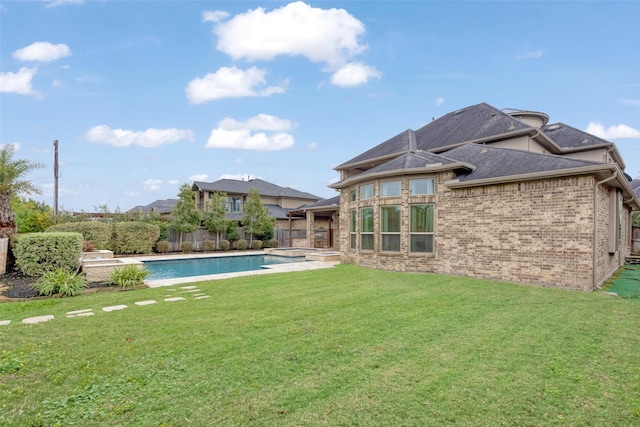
column 354, row 74
column 56, row 83
column 152, row 184
column 439, row 101
column 532, row 54
column 231, row 133
column 328, row 36
column 312, row 146
column 173, row 182
column 199, row 177
column 56, row 3
column 149, row 138
column 230, row 82
column 19, row 82
column 42, row 52
column 612, row 132
column 132, row 193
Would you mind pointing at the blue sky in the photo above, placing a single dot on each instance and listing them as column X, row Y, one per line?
column 146, row 95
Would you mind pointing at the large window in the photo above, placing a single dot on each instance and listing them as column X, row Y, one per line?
column 390, row 188
column 390, row 228
column 366, row 191
column 421, row 186
column 352, row 195
column 366, row 229
column 235, row 204
column 352, row 229
column 421, row 228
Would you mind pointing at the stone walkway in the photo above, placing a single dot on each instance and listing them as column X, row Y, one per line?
column 190, row 292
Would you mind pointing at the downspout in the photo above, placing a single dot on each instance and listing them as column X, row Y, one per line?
column 290, row 238
column 595, row 225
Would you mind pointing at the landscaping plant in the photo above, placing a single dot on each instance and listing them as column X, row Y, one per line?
column 128, row 276
column 61, row 282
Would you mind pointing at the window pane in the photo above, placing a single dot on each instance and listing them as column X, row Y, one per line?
column 366, row 242
column 366, row 220
column 422, row 243
column 391, row 242
column 352, row 195
column 390, row 219
column 421, row 186
column 352, row 241
column 390, row 188
column 352, row 222
column 421, row 219
column 366, row 191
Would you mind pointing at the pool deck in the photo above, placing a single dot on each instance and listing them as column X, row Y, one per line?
column 267, row 269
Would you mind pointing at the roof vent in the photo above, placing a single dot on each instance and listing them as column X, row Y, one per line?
column 553, row 127
column 484, row 150
column 455, row 113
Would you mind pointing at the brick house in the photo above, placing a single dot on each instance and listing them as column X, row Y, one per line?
column 490, row 193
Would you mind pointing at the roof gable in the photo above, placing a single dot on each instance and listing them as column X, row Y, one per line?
column 567, row 137
column 401, row 143
column 234, row 186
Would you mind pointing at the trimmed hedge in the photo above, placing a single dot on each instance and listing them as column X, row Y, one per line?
column 208, row 245
column 186, row 247
column 39, row 253
column 134, row 237
column 257, row 244
column 162, row 247
column 224, row 245
column 96, row 232
column 242, row 245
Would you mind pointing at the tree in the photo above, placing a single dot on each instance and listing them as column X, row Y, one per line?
column 215, row 219
column 31, row 216
column 12, row 183
column 256, row 219
column 185, row 218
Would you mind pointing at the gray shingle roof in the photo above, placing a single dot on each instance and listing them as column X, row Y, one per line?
column 321, row 204
column 160, row 206
column 494, row 162
column 568, row 137
column 400, row 143
column 417, row 160
column 234, row 186
column 635, row 186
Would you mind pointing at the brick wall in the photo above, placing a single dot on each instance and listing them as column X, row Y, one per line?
column 531, row 232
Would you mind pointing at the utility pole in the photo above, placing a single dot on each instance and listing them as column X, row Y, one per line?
column 55, row 179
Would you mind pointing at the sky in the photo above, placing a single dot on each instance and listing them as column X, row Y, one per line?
column 144, row 96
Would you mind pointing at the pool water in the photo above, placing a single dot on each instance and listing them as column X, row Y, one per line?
column 215, row 265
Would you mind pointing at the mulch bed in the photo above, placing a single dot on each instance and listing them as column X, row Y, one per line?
column 15, row 285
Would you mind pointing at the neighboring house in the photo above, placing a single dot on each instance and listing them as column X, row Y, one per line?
column 489, row 193
column 279, row 200
column 163, row 207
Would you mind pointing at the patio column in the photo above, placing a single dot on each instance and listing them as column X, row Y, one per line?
column 310, row 229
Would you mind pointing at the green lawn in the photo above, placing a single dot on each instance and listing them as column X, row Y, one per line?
column 345, row 346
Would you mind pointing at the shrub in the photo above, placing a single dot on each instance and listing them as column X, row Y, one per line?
column 61, row 282
column 128, row 276
column 38, row 253
column 186, row 247
column 242, row 245
column 162, row 247
column 208, row 245
column 224, row 245
column 273, row 243
column 98, row 233
column 257, row 244
column 134, row 237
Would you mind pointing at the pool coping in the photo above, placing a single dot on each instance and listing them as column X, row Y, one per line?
column 267, row 269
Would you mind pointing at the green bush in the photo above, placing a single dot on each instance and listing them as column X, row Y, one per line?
column 38, row 253
column 273, row 243
column 208, row 245
column 96, row 232
column 186, row 247
column 162, row 247
column 242, row 245
column 65, row 283
column 224, row 245
column 257, row 245
column 134, row 237
column 128, row 276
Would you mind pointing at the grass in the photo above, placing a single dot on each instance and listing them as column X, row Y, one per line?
column 345, row 346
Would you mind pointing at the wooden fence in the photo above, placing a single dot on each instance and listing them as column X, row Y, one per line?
column 635, row 240
column 198, row 237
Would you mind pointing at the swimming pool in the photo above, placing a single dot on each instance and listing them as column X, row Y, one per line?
column 173, row 269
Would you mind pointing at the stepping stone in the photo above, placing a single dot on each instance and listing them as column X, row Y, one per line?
column 189, row 287
column 79, row 311
column 190, row 290
column 114, row 308
column 198, row 295
column 175, row 299
column 88, row 313
column 38, row 319
column 203, row 296
column 4, row 322
column 147, row 302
